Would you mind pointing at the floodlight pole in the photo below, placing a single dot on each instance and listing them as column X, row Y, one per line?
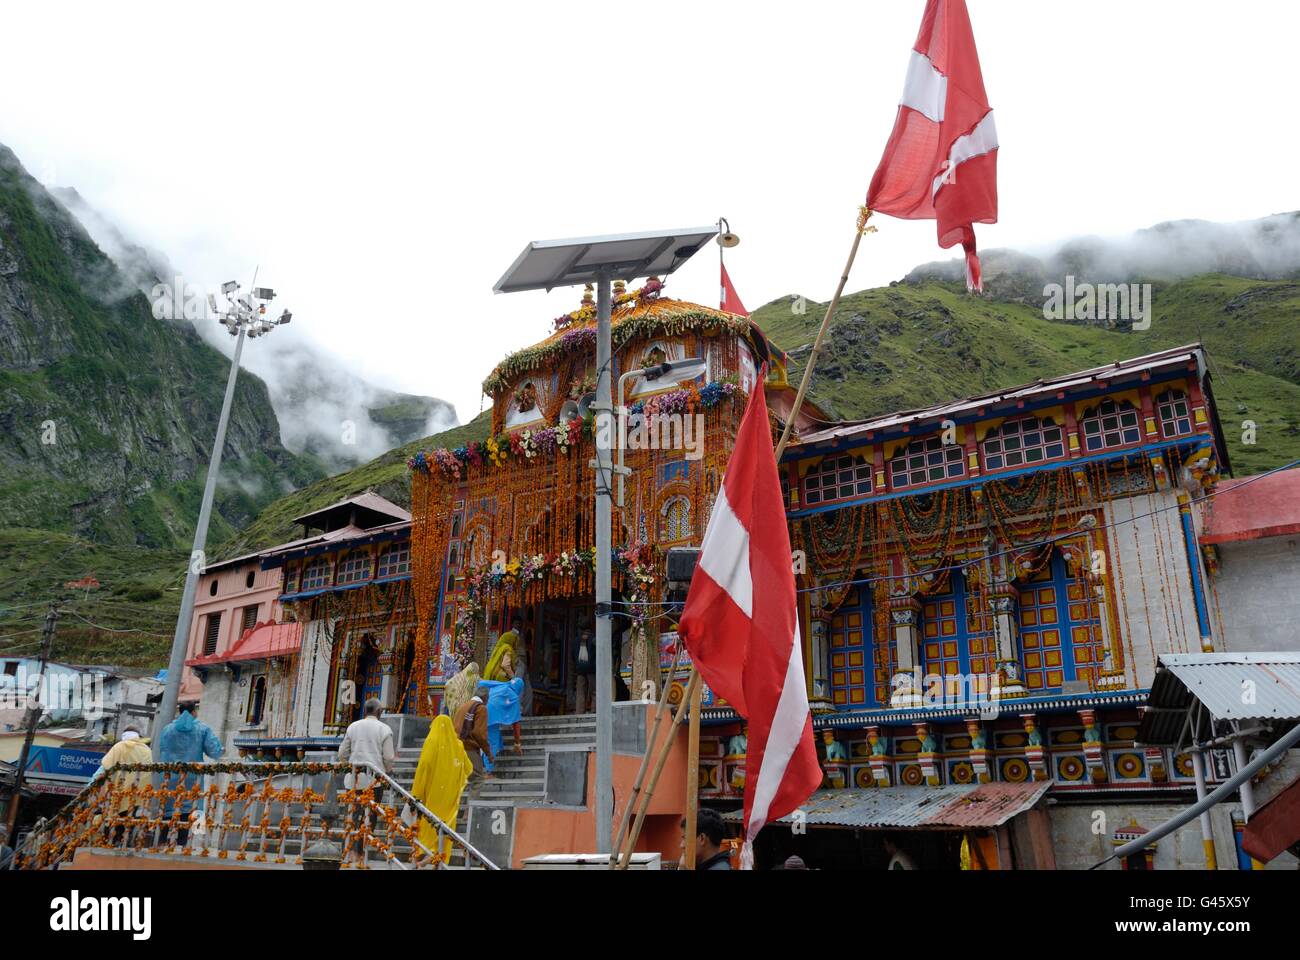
column 604, row 556
column 180, row 640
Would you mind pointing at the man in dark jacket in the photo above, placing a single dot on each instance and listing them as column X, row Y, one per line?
column 709, row 834
column 471, row 723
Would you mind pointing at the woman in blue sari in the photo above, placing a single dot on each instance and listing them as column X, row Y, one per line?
column 503, row 711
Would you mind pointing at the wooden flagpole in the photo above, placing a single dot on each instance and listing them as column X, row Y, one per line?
column 630, row 843
column 693, row 775
column 864, row 215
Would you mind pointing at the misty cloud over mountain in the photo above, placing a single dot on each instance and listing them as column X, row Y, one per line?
column 323, row 409
column 1263, row 249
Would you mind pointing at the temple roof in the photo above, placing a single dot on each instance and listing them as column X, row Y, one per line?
column 364, row 510
column 632, row 318
column 1176, row 357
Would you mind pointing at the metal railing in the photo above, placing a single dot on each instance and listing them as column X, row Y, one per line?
column 246, row 811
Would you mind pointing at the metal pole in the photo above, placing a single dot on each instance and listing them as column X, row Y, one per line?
column 33, row 717
column 604, row 549
column 1247, row 789
column 167, row 709
column 1207, row 832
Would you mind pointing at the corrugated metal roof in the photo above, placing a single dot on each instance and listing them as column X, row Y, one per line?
column 1232, row 686
column 917, row 808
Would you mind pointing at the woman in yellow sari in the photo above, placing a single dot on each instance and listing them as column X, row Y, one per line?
column 440, row 778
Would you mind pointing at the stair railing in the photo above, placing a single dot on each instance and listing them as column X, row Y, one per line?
column 248, row 811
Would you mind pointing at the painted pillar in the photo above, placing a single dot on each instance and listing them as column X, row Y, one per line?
column 1194, row 568
column 1207, row 832
column 1009, row 682
column 819, row 630
column 905, row 615
column 1247, row 788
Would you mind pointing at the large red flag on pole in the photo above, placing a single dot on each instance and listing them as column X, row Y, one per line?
column 741, row 627
column 941, row 159
column 730, row 300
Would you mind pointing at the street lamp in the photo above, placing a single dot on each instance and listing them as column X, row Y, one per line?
column 242, row 316
column 544, row 265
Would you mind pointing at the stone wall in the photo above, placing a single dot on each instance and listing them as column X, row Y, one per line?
column 1258, row 588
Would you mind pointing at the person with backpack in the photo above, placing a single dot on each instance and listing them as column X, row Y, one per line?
column 471, row 722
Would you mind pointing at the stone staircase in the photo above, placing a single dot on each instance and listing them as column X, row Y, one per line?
column 516, row 781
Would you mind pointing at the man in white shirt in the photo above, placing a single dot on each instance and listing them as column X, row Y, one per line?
column 368, row 740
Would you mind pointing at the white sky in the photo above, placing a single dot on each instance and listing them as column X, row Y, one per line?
column 385, row 163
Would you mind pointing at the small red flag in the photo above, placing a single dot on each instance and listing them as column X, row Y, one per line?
column 941, row 160
column 730, row 299
column 741, row 627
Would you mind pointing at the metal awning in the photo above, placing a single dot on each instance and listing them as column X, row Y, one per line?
column 951, row 807
column 1229, row 686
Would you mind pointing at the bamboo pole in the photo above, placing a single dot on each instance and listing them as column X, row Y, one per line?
column 863, row 216
column 630, row 843
column 660, row 709
column 693, row 775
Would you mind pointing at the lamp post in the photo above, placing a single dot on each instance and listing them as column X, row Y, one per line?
column 244, row 316
column 544, row 265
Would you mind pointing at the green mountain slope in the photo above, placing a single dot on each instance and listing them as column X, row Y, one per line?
column 386, row 475
column 912, row 344
column 106, row 413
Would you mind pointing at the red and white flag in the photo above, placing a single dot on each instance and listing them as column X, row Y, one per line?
column 941, row 161
column 741, row 627
column 730, row 299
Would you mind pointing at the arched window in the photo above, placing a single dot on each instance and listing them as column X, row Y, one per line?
column 316, row 574
column 927, row 460
column 212, row 590
column 676, row 520
column 256, row 701
column 250, row 579
column 1110, row 424
column 395, row 561
column 1023, row 441
column 837, row 478
column 355, row 567
column 1172, row 412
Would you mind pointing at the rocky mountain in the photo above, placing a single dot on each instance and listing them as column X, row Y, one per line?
column 106, row 413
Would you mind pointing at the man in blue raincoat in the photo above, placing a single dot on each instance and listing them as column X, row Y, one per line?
column 186, row 740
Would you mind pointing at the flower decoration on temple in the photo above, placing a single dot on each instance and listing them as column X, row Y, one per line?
column 562, row 438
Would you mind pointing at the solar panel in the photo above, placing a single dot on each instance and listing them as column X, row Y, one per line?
column 546, row 264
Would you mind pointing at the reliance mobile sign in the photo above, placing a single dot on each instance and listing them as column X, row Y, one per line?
column 62, row 763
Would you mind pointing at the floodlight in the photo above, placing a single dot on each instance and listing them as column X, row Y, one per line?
column 212, row 303
column 229, row 287
column 263, row 293
column 285, row 317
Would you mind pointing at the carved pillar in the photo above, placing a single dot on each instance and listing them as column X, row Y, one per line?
column 386, row 681
column 819, row 628
column 646, row 671
column 904, row 616
column 1034, row 752
column 879, row 761
column 928, row 757
column 979, row 752
column 1093, row 754
column 836, row 764
column 1009, row 682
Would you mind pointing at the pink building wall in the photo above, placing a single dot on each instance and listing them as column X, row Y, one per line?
column 233, row 594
